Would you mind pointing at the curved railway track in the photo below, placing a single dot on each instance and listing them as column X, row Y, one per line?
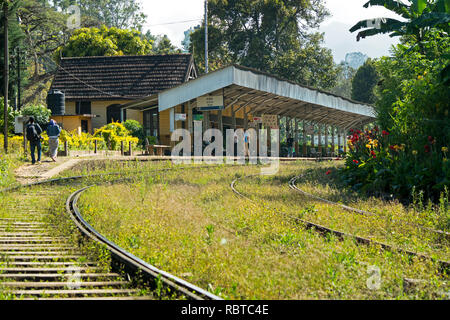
column 444, row 266
column 34, row 264
column 293, row 186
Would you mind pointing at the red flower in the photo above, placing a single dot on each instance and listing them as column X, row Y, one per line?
column 373, row 153
column 392, row 147
column 385, row 133
column 355, row 161
column 328, row 172
column 427, row 149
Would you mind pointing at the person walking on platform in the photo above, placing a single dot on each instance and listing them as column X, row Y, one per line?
column 53, row 132
column 34, row 136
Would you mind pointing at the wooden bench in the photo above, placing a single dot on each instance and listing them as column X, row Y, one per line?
column 158, row 148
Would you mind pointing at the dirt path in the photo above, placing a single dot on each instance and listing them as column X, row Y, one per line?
column 29, row 173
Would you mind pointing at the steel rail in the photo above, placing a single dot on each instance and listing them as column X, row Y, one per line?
column 128, row 259
column 444, row 266
column 122, row 256
column 294, row 187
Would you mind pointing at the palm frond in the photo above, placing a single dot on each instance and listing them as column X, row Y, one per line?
column 393, row 5
column 374, row 23
column 394, row 27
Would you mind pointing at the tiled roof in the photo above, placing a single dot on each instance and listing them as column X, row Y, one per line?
column 121, row 77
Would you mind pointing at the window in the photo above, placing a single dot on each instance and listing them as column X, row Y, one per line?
column 151, row 122
column 84, row 126
column 113, row 113
column 83, row 107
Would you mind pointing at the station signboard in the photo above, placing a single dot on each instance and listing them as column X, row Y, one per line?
column 270, row 121
column 180, row 117
column 209, row 103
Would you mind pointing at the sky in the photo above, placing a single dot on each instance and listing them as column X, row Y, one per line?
column 173, row 17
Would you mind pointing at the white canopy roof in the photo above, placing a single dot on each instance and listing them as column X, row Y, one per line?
column 266, row 94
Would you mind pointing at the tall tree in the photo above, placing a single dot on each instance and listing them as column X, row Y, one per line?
column 364, row 82
column 45, row 30
column 87, row 42
column 269, row 35
column 344, row 80
column 122, row 14
column 16, row 45
column 163, row 45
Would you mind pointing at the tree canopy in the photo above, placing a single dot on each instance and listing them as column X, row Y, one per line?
column 269, row 35
column 121, row 14
column 105, row 41
column 364, row 82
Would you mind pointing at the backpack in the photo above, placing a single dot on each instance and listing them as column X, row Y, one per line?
column 32, row 134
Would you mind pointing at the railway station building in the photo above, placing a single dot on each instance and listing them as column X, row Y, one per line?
column 165, row 93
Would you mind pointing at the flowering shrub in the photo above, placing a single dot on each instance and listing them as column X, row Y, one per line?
column 376, row 163
column 113, row 134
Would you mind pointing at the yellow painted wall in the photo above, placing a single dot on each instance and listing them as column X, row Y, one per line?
column 70, row 107
column 99, row 108
column 164, row 127
column 68, row 123
column 135, row 115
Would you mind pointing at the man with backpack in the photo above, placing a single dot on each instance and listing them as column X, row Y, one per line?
column 34, row 136
column 53, row 132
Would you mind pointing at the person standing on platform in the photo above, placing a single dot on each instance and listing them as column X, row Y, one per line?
column 290, row 145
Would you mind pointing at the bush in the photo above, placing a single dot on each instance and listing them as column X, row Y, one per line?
column 413, row 109
column 136, row 130
column 378, row 162
column 40, row 113
column 113, row 134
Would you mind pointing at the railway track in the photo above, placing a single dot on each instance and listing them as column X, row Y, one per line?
column 444, row 266
column 293, row 186
column 37, row 265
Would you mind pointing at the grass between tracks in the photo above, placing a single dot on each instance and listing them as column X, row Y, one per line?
column 189, row 223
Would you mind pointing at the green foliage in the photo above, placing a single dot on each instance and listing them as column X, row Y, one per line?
column 268, row 36
column 88, row 42
column 344, row 80
column 15, row 42
column 420, row 15
column 40, row 113
column 135, row 129
column 45, row 29
column 165, row 46
column 422, row 18
column 364, row 82
column 413, row 106
column 11, row 115
column 122, row 14
column 113, row 134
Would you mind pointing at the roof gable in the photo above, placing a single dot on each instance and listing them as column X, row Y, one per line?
column 126, row 77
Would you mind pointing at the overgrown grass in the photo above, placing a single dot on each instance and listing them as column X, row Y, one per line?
column 188, row 222
column 8, row 163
